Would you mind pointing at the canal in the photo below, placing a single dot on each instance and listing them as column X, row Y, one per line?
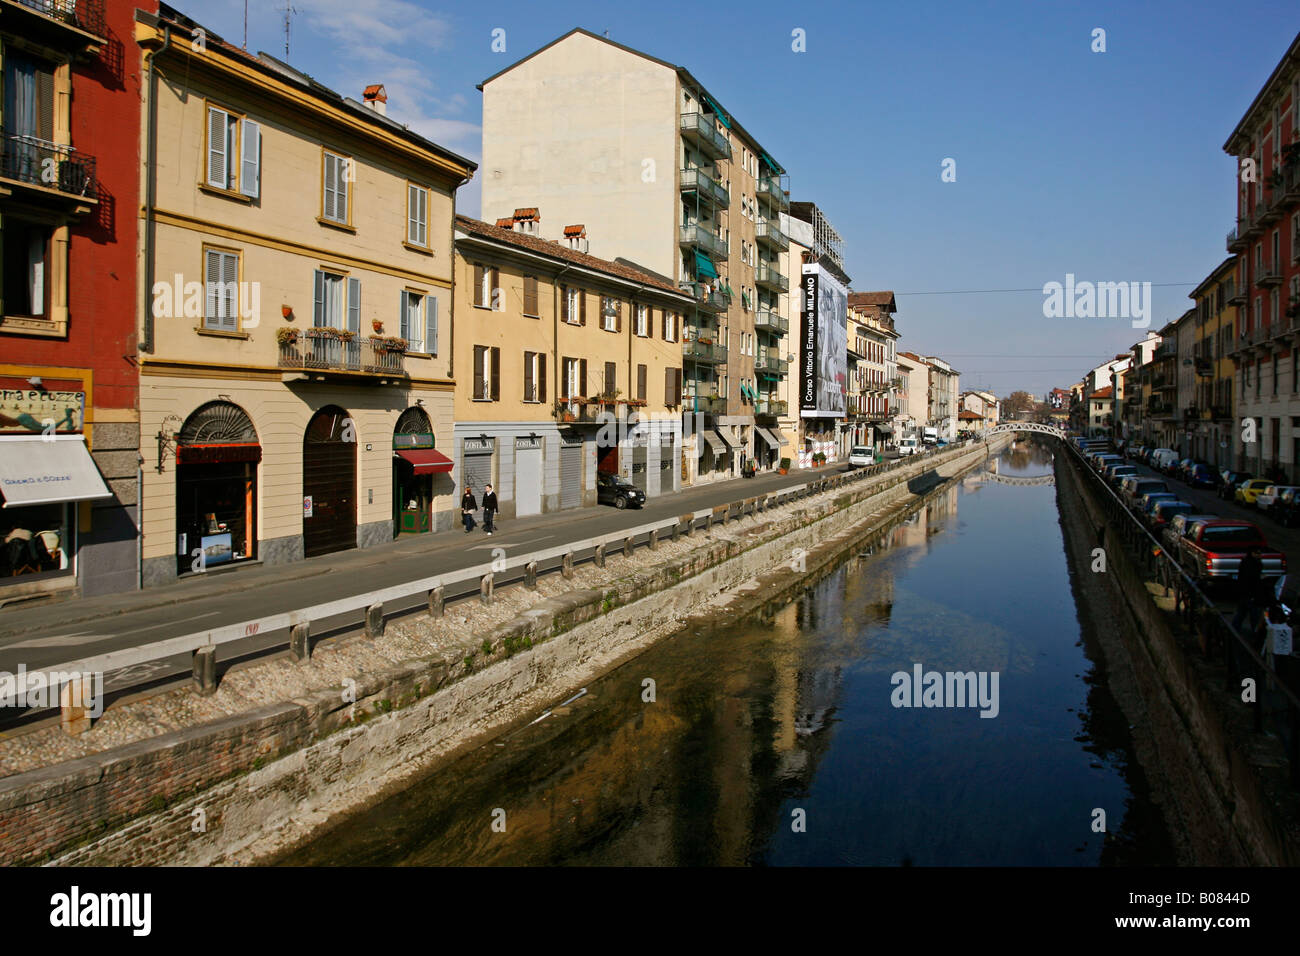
column 775, row 739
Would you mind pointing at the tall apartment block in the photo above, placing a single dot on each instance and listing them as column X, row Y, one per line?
column 586, row 130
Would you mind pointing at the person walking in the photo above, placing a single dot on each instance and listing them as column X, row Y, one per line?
column 489, row 507
column 1249, row 580
column 467, row 507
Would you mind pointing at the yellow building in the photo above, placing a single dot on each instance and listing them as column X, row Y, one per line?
column 296, row 370
column 568, row 367
column 1216, row 323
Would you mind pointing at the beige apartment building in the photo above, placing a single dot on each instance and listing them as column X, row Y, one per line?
column 641, row 154
column 569, row 367
column 296, row 387
column 871, row 343
column 912, row 391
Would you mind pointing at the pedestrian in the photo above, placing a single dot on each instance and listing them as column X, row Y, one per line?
column 1249, row 581
column 489, row 507
column 467, row 507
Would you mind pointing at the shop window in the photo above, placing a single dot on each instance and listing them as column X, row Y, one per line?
column 36, row 540
column 217, row 453
column 24, row 289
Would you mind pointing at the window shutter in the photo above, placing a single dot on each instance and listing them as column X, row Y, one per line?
column 478, row 371
column 677, row 389
column 478, row 285
column 618, row 315
column 341, row 169
column 541, row 377
column 318, row 301
column 218, row 161
column 611, row 378
column 668, row 387
column 582, row 309
column 663, row 326
column 328, row 187
column 250, row 170
column 211, row 288
column 431, row 324
column 528, row 376
column 582, row 378
column 641, row 374
column 530, row 295
column 564, row 303
column 354, row 305
column 496, row 373
column 230, row 290
column 493, row 291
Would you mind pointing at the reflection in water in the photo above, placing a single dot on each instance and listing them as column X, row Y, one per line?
column 763, row 722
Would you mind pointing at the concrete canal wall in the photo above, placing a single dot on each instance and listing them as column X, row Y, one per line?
column 245, row 789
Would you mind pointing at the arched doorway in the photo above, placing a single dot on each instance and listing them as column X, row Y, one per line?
column 417, row 468
column 217, row 452
column 329, row 483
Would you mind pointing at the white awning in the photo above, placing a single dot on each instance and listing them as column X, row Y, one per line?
column 48, row 469
column 715, row 442
column 764, row 434
column 777, row 434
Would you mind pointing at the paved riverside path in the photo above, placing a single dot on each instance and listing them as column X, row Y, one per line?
column 46, row 635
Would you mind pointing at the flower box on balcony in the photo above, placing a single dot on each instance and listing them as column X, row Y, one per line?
column 389, row 343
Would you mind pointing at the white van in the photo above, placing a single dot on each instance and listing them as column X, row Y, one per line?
column 907, row 446
column 1162, row 458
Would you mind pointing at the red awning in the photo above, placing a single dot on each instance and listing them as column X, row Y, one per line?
column 426, row 461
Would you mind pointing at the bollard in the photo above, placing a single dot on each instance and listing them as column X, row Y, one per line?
column 653, row 542
column 566, row 565
column 762, row 503
column 485, row 589
column 690, row 524
column 677, row 529
column 436, row 602
column 708, row 522
column 205, row 670
column 530, row 575
column 726, row 513
column 375, row 620
column 300, row 642
column 598, row 556
column 74, row 697
column 627, row 547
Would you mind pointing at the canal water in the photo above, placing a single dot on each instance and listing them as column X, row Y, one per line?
column 775, row 739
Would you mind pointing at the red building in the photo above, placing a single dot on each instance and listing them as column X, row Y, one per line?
column 70, row 138
column 1266, row 284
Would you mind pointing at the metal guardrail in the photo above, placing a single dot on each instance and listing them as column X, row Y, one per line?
column 1276, row 704
column 368, row 610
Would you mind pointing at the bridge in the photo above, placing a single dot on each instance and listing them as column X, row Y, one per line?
column 1052, row 430
column 1014, row 479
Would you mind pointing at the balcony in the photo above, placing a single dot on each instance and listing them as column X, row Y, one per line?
column 704, row 353
column 68, row 24
column 766, row 320
column 1160, row 409
column 702, row 131
column 706, row 299
column 1236, row 242
column 694, row 236
column 1236, row 296
column 49, row 168
column 1270, row 274
column 769, row 188
column 587, row 411
column 1269, row 206
column 705, row 404
column 1165, row 350
column 1291, row 185
column 770, row 363
column 321, row 350
column 770, row 407
column 770, row 236
column 1251, row 227
column 767, row 276
column 698, row 181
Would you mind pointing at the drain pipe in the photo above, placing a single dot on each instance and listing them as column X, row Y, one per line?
column 151, row 189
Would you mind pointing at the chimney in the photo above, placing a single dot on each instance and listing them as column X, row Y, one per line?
column 528, row 221
column 376, row 97
column 576, row 237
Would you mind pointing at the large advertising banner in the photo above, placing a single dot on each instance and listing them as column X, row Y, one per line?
column 823, row 356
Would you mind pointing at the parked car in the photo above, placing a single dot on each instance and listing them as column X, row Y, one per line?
column 1181, row 525
column 1101, row 461
column 1131, row 489
column 1146, row 504
column 1231, row 480
column 1269, row 498
column 907, row 446
column 1287, row 508
column 1248, row 491
column 1164, row 511
column 618, row 491
column 1184, row 468
column 1214, row 549
column 1203, row 476
column 1114, row 474
column 1162, row 458
column 861, row 455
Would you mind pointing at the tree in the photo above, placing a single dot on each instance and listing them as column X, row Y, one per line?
column 1016, row 403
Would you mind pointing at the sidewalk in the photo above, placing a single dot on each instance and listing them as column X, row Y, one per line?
column 28, row 621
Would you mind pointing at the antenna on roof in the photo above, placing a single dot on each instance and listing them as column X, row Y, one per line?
column 245, row 24
column 289, row 11
column 606, row 34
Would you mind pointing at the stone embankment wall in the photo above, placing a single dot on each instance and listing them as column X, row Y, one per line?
column 246, row 788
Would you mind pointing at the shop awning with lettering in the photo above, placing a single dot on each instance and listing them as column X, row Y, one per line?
column 48, row 470
column 425, row 461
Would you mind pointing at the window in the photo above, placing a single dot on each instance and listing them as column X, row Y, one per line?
column 573, row 305
column 530, row 296
column 335, row 200
column 575, row 378
column 336, row 302
column 417, row 215
column 642, row 327
column 487, row 373
column 611, row 314
column 1274, row 373
column 534, row 377
column 221, row 290
column 234, row 152
column 26, row 250
column 487, row 283
column 419, row 322
column 670, row 326
column 611, row 380
column 672, row 386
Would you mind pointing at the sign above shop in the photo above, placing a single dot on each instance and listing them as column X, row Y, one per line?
column 33, row 411
column 479, row 446
column 528, row 441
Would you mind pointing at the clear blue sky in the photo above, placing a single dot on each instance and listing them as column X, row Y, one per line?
column 1105, row 165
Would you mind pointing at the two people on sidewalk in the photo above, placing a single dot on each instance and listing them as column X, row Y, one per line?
column 468, row 505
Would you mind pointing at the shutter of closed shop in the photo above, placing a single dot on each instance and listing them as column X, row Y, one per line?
column 640, row 474
column 570, row 476
column 476, row 472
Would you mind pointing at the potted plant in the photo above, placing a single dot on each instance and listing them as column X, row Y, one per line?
column 785, row 466
column 390, row 343
column 819, row 459
column 377, row 325
column 286, row 336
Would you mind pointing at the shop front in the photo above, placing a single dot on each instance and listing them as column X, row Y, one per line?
column 217, row 458
column 416, row 467
column 329, row 483
column 476, row 471
column 768, row 448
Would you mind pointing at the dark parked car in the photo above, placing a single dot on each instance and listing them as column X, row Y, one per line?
column 1203, row 476
column 1163, row 512
column 1287, row 508
column 1231, row 479
column 618, row 491
column 1114, row 474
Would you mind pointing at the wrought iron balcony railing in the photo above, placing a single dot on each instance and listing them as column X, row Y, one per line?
column 86, row 15
column 38, row 162
column 320, row 349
